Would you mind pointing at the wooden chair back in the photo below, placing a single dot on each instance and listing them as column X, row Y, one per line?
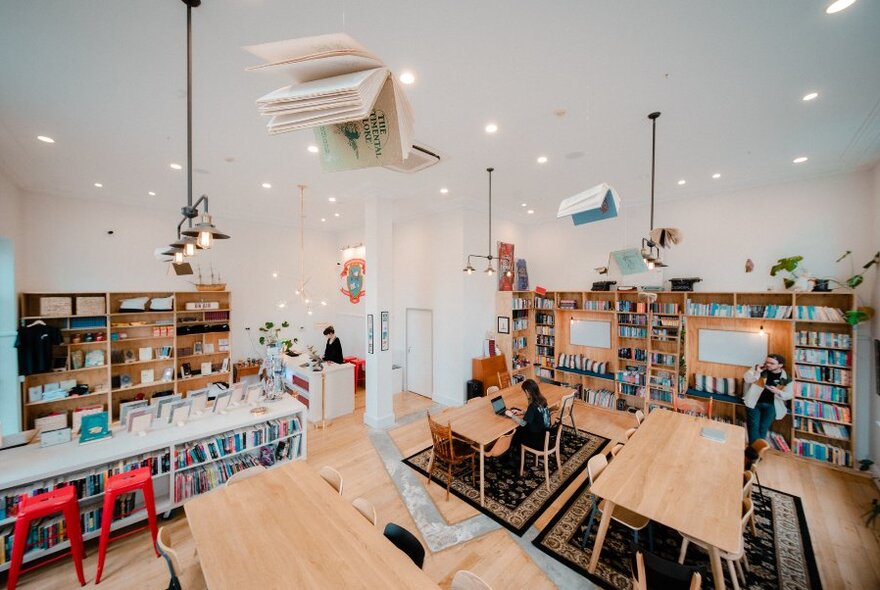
column 566, row 407
column 163, row 542
column 617, row 448
column 628, row 434
column 747, row 509
column 406, row 542
column 503, row 380
column 333, row 477
column 441, row 436
column 245, row 474
column 692, row 407
column 761, row 446
column 595, row 466
column 748, row 482
column 366, row 508
column 491, row 389
column 465, row 580
column 663, row 573
column 501, row 446
column 640, row 417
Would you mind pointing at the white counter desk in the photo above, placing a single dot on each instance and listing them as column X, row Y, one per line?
column 336, row 382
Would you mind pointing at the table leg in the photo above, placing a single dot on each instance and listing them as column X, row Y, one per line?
column 482, row 473
column 600, row 535
column 717, row 570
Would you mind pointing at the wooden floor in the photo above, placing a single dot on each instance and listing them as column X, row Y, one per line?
column 848, row 554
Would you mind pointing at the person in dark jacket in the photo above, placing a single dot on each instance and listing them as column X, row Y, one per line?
column 534, row 422
column 333, row 351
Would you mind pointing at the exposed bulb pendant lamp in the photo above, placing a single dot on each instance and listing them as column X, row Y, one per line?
column 202, row 234
column 301, row 290
column 490, row 270
column 661, row 237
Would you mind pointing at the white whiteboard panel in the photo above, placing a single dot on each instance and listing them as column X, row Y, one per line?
column 595, row 333
column 732, row 348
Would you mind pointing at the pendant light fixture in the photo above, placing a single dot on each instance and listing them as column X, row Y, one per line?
column 661, row 236
column 201, row 235
column 301, row 291
column 490, row 270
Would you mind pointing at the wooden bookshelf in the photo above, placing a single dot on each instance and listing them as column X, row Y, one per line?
column 120, row 335
column 654, row 355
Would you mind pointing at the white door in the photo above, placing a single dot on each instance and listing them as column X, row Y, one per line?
column 419, row 351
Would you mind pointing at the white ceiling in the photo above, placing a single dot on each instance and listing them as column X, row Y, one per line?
column 107, row 79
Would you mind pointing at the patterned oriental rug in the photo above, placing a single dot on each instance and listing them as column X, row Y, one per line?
column 511, row 500
column 781, row 556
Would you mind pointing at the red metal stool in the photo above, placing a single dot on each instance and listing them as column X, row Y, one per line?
column 35, row 507
column 359, row 368
column 124, row 483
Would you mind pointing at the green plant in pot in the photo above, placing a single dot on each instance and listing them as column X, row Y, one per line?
column 272, row 335
column 790, row 265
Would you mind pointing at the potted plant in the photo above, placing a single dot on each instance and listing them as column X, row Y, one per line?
column 272, row 336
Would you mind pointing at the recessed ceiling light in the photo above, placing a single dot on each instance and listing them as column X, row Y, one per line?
column 151, row 193
column 331, row 199
column 336, row 215
column 716, row 176
column 275, row 275
column 313, row 149
column 542, row 159
column 99, row 185
column 176, row 166
column 45, row 139
column 323, row 219
column 522, row 204
column 682, row 181
column 530, row 211
column 444, row 190
column 267, row 185
column 839, row 5
column 407, row 78
column 810, row 96
column 800, row 160
column 491, row 128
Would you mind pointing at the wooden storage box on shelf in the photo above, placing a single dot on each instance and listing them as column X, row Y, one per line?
column 90, row 305
column 56, row 306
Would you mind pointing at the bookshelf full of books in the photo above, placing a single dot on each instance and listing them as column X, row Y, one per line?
column 653, row 355
column 185, row 461
column 112, row 348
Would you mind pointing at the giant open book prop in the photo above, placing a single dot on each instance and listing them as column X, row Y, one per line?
column 595, row 204
column 360, row 115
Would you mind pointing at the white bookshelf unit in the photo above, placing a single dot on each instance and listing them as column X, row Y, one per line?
column 32, row 469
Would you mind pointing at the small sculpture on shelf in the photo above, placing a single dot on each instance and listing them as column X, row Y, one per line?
column 317, row 361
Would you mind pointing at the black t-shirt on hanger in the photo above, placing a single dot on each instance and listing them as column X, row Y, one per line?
column 34, row 345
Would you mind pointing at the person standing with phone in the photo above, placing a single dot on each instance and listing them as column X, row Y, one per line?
column 769, row 387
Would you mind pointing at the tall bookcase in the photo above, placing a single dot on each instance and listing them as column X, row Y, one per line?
column 654, row 355
column 143, row 351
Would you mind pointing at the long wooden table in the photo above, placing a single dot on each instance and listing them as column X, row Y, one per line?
column 671, row 474
column 477, row 422
column 287, row 528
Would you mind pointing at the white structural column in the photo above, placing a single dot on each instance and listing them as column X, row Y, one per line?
column 377, row 244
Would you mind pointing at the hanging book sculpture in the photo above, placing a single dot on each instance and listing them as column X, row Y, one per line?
column 598, row 203
column 360, row 115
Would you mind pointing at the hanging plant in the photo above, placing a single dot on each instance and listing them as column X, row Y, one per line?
column 272, row 335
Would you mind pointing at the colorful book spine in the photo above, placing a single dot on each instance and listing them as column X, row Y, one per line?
column 825, row 339
column 827, row 393
column 827, row 374
column 823, row 356
column 819, row 314
column 809, row 409
column 821, row 452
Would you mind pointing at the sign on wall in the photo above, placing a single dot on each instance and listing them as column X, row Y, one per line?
column 505, row 266
column 353, row 272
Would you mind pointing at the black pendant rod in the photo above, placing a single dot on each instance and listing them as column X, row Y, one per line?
column 653, row 117
column 489, row 170
column 189, row 163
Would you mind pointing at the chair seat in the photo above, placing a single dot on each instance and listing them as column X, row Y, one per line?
column 462, row 449
column 626, row 517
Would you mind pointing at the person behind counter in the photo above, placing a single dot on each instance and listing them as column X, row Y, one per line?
column 333, row 351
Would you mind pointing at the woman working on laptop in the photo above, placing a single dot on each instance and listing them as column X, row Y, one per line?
column 534, row 423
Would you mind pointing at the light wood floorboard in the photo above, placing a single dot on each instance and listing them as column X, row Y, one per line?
column 848, row 554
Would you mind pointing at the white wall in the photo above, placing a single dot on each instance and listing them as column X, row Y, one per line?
column 67, row 248
column 873, row 423
column 11, row 252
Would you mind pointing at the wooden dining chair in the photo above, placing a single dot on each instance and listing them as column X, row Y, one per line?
column 551, row 447
column 450, row 451
column 333, row 477
column 503, row 380
column 245, row 474
column 181, row 578
column 628, row 434
column 501, row 446
column 617, row 448
column 652, row 571
column 640, row 417
column 366, row 508
column 466, row 580
column 760, row 447
column 490, row 390
column 406, row 542
column 748, row 485
column 692, row 407
column 566, row 409
column 473, row 400
column 635, row 522
column 737, row 562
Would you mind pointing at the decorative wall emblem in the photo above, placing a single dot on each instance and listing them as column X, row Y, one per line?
column 353, row 272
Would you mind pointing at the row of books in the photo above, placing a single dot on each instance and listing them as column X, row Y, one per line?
column 632, row 306
column 51, row 531
column 718, row 310
column 598, row 305
column 778, row 442
column 666, row 360
column 772, row 312
column 543, row 372
column 520, row 362
column 821, row 356
column 545, row 340
column 820, row 451
column 520, row 303
column 600, row 397
column 545, row 351
column 819, row 313
column 628, row 318
column 546, row 319
column 633, row 377
column 545, row 330
column 660, row 395
column 567, row 304
column 665, row 321
column 520, row 343
column 828, row 393
column 520, row 323
column 829, row 374
column 87, row 484
column 543, row 302
column 234, row 441
column 829, row 339
column 808, row 409
column 631, row 389
column 636, row 354
column 664, row 333
column 824, row 428
column 665, row 308
column 631, row 332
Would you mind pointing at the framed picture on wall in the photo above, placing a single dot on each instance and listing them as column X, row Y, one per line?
column 370, row 333
column 384, row 331
column 503, row 324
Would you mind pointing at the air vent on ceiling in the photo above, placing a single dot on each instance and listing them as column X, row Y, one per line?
column 420, row 157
